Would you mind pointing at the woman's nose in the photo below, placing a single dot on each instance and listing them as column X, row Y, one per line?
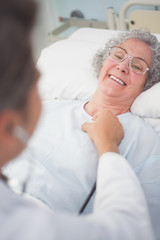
column 124, row 65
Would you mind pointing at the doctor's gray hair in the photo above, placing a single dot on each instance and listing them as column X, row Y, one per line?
column 17, row 69
column 143, row 35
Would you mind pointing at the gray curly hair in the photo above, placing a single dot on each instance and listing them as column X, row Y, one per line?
column 143, row 35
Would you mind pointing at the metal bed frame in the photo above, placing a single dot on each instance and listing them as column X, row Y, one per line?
column 115, row 21
column 122, row 23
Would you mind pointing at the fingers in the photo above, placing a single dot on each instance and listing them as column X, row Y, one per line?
column 99, row 116
column 105, row 125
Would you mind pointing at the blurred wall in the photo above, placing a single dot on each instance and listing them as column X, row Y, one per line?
column 92, row 9
column 51, row 10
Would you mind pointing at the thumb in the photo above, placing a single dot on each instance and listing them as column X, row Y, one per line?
column 84, row 127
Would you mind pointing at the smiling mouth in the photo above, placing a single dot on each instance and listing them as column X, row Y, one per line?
column 117, row 80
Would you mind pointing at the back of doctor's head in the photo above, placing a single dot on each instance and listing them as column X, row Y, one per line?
column 17, row 71
column 143, row 35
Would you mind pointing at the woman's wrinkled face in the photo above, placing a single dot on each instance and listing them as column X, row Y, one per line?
column 118, row 81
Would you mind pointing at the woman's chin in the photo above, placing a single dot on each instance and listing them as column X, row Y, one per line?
column 110, row 91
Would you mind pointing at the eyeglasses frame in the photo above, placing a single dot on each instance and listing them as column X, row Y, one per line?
column 130, row 59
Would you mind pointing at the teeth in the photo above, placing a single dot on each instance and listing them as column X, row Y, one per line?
column 117, row 80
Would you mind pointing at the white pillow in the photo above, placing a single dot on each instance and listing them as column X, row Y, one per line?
column 147, row 104
column 66, row 65
column 67, row 72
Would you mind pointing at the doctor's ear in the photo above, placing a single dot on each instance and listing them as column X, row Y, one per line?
column 11, row 143
column 8, row 120
column 21, row 134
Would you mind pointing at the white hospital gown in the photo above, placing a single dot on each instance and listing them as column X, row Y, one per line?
column 66, row 159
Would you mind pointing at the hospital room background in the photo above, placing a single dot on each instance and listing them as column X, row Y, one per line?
column 101, row 13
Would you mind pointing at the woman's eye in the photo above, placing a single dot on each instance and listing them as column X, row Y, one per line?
column 136, row 67
column 118, row 56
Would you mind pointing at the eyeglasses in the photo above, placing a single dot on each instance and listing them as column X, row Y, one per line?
column 136, row 64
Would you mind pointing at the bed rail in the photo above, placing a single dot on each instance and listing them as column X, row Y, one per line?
column 130, row 3
column 121, row 22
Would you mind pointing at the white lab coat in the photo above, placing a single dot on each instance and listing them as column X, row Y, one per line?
column 120, row 210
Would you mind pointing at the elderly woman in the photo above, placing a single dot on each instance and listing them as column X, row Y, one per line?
column 127, row 66
column 65, row 156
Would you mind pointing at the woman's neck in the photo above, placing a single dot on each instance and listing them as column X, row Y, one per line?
column 99, row 103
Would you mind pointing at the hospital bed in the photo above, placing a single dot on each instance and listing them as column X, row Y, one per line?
column 147, row 16
column 67, row 73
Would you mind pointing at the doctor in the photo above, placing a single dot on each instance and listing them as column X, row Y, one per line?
column 120, row 210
